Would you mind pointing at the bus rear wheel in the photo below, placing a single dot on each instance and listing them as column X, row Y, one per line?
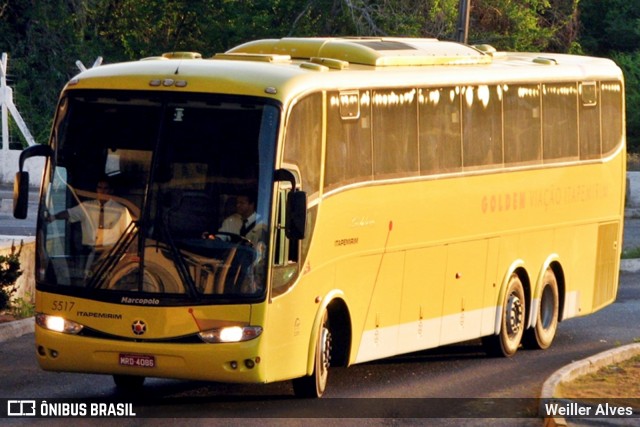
column 512, row 324
column 313, row 386
column 541, row 336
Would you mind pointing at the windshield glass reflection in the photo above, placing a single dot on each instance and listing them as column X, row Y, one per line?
column 159, row 194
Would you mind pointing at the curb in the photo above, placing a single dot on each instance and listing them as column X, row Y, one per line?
column 583, row 367
column 17, row 328
column 630, row 265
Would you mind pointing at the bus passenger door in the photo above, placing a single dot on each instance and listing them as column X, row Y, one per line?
column 286, row 251
column 285, row 338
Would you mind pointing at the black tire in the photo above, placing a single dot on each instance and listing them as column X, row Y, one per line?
column 313, row 386
column 128, row 384
column 541, row 336
column 506, row 343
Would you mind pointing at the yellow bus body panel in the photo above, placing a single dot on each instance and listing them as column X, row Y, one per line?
column 424, row 263
column 73, row 353
column 419, row 262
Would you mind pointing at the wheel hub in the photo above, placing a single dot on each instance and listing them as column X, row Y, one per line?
column 326, row 349
column 515, row 315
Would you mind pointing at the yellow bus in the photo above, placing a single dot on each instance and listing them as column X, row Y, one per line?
column 401, row 194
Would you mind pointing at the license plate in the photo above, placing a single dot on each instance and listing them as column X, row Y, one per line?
column 138, row 360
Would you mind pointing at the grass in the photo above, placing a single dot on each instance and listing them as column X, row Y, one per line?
column 633, row 161
column 632, row 253
column 22, row 308
column 620, row 381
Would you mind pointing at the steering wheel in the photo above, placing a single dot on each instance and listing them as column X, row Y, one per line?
column 233, row 238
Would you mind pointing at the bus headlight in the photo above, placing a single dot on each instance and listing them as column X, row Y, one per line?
column 58, row 324
column 230, row 334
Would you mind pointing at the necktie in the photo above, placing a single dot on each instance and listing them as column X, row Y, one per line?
column 243, row 229
column 100, row 234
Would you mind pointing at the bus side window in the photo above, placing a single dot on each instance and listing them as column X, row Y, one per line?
column 560, row 122
column 612, row 94
column 589, row 121
column 286, row 251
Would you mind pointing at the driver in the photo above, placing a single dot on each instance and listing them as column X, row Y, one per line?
column 243, row 222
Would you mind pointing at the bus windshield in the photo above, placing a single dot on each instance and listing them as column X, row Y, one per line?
column 159, row 194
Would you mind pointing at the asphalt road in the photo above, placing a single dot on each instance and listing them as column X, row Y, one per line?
column 631, row 233
column 8, row 224
column 458, row 371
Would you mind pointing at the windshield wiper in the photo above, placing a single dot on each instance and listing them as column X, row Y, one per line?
column 108, row 261
column 178, row 259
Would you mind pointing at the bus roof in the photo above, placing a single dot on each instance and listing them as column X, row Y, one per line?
column 283, row 68
column 371, row 51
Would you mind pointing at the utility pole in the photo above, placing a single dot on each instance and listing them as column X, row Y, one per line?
column 463, row 21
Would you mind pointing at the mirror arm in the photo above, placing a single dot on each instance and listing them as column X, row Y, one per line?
column 285, row 175
column 34, row 151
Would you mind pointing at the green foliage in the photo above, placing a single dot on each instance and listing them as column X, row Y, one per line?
column 38, row 36
column 9, row 273
column 5, row 298
column 22, row 307
column 610, row 28
column 45, row 38
column 632, row 253
column 610, row 25
column 630, row 64
column 510, row 25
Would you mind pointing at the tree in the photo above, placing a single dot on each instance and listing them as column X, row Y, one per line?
column 611, row 25
column 611, row 29
column 630, row 64
column 45, row 39
column 40, row 38
column 530, row 25
column 526, row 25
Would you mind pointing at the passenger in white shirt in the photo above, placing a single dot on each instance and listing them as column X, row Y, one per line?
column 103, row 220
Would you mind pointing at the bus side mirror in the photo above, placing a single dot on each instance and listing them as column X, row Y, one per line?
column 21, row 195
column 296, row 223
column 21, row 184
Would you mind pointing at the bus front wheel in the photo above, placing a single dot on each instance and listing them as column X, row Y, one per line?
column 313, row 386
column 128, row 383
column 541, row 336
column 512, row 322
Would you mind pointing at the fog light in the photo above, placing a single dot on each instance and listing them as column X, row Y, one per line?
column 234, row 365
column 249, row 363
